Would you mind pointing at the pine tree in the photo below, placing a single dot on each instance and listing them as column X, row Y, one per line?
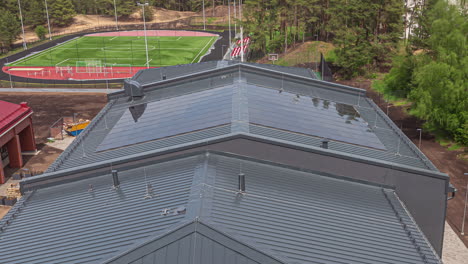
column 61, row 12
column 34, row 13
column 124, row 7
column 10, row 28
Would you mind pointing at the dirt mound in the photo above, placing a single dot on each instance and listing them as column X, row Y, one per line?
column 302, row 53
column 163, row 15
column 219, row 11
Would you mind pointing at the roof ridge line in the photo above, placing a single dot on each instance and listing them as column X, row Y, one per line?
column 59, row 161
column 417, row 227
column 196, row 222
column 399, row 132
column 405, row 227
column 170, row 230
column 6, row 220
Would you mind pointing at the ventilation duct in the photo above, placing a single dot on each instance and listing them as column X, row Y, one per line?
column 133, row 89
column 115, row 179
column 241, row 182
column 325, row 143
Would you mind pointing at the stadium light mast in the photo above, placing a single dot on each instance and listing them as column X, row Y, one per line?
column 48, row 21
column 204, row 23
column 235, row 17
column 144, row 25
column 22, row 25
column 115, row 12
column 241, row 30
column 229, row 15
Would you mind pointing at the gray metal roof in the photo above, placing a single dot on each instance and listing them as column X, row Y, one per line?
column 194, row 243
column 156, row 74
column 286, row 215
column 236, row 77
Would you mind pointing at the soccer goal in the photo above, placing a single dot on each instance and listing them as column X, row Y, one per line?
column 89, row 66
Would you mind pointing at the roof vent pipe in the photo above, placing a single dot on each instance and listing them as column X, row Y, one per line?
column 241, row 183
column 325, row 143
column 115, row 179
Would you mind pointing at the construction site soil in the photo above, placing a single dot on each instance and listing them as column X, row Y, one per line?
column 49, row 107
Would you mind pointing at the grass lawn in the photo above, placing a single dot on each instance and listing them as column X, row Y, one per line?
column 122, row 51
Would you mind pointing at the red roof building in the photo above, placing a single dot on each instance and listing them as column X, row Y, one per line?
column 16, row 135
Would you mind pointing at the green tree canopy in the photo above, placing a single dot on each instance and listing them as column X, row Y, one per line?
column 61, row 12
column 10, row 28
column 435, row 78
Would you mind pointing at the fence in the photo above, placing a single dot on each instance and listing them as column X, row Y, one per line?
column 56, row 130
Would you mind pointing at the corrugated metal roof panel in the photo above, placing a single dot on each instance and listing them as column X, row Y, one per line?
column 70, row 223
column 305, row 218
column 240, row 78
column 293, row 216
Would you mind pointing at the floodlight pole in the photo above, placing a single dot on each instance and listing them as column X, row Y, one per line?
column 242, row 30
column 144, row 25
column 242, row 43
column 229, row 15
column 464, row 210
column 235, row 17
column 22, row 25
column 204, row 23
column 48, row 21
column 116, row 21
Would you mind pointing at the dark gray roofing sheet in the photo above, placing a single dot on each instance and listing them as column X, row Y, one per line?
column 194, row 243
column 194, row 249
column 68, row 223
column 304, row 218
column 398, row 148
column 293, row 216
column 170, row 117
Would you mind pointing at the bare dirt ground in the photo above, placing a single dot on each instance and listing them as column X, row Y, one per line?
column 445, row 160
column 49, row 107
column 302, row 54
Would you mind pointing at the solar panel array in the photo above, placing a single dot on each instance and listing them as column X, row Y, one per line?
column 170, row 117
column 310, row 116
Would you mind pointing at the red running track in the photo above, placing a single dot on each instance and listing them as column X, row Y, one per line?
column 71, row 73
column 108, row 73
column 153, row 33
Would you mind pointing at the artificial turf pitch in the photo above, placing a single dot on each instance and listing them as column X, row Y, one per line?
column 123, row 51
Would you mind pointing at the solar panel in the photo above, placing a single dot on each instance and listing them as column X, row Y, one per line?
column 310, row 116
column 170, row 117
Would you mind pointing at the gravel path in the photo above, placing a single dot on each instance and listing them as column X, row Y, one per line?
column 454, row 251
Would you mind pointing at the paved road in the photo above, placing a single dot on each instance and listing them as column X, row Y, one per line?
column 56, row 90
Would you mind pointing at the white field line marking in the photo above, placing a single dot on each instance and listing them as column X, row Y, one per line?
column 209, row 41
column 43, row 52
column 113, row 38
column 178, row 38
column 148, row 62
column 61, row 62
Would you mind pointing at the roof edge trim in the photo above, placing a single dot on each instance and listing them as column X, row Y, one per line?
column 345, row 88
column 11, row 126
column 140, row 156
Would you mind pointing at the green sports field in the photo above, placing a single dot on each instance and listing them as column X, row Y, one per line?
column 123, row 50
